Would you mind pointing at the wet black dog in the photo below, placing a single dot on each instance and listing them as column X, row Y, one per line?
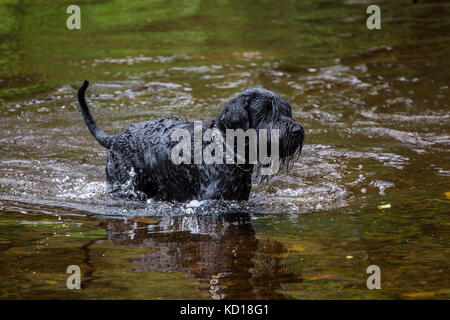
column 140, row 158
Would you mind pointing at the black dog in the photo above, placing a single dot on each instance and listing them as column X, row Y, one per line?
column 140, row 164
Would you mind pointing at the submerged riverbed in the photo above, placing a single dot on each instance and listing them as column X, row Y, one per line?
column 372, row 186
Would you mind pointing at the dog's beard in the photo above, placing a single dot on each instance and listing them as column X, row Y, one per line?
column 290, row 150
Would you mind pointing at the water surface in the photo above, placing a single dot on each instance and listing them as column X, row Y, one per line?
column 374, row 104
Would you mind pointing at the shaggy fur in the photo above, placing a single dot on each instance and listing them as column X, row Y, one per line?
column 139, row 163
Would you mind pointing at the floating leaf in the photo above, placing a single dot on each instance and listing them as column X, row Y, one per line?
column 296, row 247
column 147, row 221
column 420, row 295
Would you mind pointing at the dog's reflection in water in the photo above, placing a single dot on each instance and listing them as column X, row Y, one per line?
column 221, row 251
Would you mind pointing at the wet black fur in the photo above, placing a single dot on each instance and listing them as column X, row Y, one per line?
column 139, row 162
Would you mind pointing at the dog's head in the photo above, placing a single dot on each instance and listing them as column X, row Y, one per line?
column 262, row 109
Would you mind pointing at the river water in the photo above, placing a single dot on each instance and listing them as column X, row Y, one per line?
column 372, row 186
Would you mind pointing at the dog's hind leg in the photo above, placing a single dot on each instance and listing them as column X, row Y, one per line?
column 124, row 179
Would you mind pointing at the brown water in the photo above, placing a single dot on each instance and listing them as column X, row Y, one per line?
column 374, row 104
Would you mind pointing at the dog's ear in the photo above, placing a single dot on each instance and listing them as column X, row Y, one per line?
column 235, row 114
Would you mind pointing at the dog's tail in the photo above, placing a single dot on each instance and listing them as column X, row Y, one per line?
column 98, row 133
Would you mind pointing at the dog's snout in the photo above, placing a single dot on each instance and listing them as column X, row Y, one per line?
column 297, row 129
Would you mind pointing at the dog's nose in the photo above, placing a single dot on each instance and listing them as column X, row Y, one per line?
column 297, row 129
